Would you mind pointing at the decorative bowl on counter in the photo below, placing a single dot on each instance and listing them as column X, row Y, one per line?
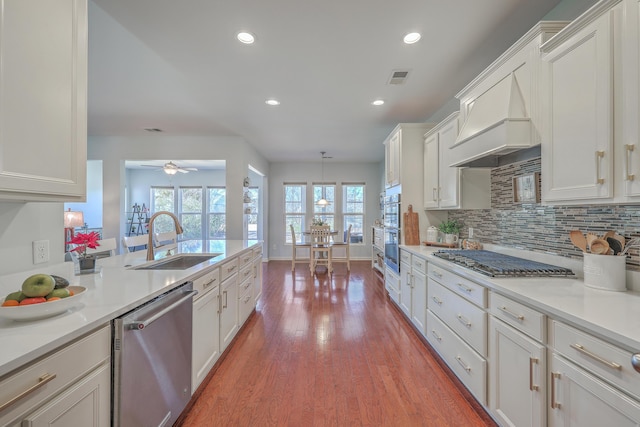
column 44, row 309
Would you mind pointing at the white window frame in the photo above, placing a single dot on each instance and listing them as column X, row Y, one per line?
column 345, row 204
column 301, row 216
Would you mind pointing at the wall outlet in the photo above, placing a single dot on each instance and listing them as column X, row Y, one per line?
column 40, row 251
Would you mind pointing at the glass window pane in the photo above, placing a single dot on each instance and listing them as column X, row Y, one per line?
column 298, row 226
column 191, row 226
column 294, row 207
column 217, row 226
column 162, row 199
column 217, row 199
column 191, row 199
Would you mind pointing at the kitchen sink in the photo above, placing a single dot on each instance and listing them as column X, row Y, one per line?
column 178, row 262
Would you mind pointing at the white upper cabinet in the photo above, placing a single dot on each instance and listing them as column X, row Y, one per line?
column 43, row 100
column 578, row 145
column 447, row 187
column 629, row 156
column 392, row 159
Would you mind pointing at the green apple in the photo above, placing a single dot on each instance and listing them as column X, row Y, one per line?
column 16, row 296
column 38, row 285
column 61, row 282
column 60, row 293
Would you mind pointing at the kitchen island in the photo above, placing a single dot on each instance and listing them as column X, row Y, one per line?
column 113, row 290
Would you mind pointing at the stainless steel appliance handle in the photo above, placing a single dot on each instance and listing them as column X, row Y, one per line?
column 138, row 325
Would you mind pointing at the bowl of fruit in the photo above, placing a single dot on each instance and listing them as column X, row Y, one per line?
column 41, row 296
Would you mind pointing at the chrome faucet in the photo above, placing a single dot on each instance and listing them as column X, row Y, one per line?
column 150, row 254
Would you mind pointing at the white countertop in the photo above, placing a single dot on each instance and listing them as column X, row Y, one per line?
column 614, row 316
column 114, row 290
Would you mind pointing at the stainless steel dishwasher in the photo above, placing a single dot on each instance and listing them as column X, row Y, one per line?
column 152, row 360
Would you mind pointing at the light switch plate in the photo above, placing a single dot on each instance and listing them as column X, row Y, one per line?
column 40, row 251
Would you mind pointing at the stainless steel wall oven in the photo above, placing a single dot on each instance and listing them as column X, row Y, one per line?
column 392, row 228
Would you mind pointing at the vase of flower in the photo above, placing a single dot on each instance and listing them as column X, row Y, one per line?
column 84, row 263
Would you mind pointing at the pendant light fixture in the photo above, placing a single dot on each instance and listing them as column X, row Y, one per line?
column 322, row 202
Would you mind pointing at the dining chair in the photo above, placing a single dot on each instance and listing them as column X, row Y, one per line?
column 106, row 248
column 346, row 245
column 295, row 246
column 321, row 248
column 130, row 243
column 161, row 239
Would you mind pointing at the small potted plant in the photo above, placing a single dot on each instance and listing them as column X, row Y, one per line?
column 318, row 222
column 82, row 241
column 451, row 230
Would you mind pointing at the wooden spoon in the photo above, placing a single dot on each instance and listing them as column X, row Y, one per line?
column 590, row 238
column 609, row 233
column 600, row 247
column 578, row 239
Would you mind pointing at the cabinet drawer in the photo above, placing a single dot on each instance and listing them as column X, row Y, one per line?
column 228, row 269
column 468, row 365
column 206, row 282
column 392, row 285
column 405, row 257
column 245, row 301
column 519, row 316
column 68, row 365
column 466, row 319
column 246, row 271
column 598, row 356
column 245, row 259
column 257, row 252
column 246, row 284
column 472, row 291
column 419, row 264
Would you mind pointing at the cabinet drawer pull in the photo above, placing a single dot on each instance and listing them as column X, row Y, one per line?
column 532, row 361
column 219, row 305
column 247, row 298
column 435, row 194
column 209, row 283
column 437, row 300
column 595, row 357
column 463, row 364
column 599, row 156
column 41, row 381
column 629, row 148
column 230, row 269
column 554, row 404
column 464, row 288
column 519, row 317
column 463, row 320
column 437, row 274
column 224, row 305
column 435, row 334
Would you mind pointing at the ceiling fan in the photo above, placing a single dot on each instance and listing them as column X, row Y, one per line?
column 171, row 168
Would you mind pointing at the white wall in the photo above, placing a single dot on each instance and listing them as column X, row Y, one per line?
column 369, row 173
column 92, row 208
column 113, row 151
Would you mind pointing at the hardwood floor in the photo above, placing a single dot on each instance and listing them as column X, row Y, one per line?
column 322, row 352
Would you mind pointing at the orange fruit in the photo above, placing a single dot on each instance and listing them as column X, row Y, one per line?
column 53, row 299
column 10, row 303
column 34, row 300
column 70, row 293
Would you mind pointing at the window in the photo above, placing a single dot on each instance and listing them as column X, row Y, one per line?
column 191, row 212
column 353, row 210
column 162, row 199
column 294, row 210
column 252, row 216
column 326, row 213
column 216, row 213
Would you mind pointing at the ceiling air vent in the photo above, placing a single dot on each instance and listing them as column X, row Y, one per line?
column 398, row 77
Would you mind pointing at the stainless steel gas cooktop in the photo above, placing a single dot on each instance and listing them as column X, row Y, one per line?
column 495, row 264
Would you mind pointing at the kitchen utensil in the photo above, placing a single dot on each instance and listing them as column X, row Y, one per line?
column 620, row 239
column 600, row 247
column 615, row 245
column 590, row 238
column 609, row 233
column 578, row 239
column 411, row 227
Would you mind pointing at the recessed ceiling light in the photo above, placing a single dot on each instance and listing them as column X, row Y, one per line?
column 272, row 102
column 378, row 102
column 246, row 38
column 412, row 38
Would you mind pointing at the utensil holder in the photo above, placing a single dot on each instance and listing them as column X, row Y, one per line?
column 606, row 272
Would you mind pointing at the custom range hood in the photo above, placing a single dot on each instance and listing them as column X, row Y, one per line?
column 497, row 124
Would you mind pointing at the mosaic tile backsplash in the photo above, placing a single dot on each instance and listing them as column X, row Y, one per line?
column 534, row 227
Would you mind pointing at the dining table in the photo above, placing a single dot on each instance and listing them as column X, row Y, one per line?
column 307, row 233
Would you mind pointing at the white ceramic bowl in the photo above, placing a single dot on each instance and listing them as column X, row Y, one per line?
column 44, row 309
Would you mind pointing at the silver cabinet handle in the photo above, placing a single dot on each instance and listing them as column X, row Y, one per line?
column 464, row 288
column 437, row 273
column 532, row 361
column 437, row 300
column 219, row 301
column 635, row 361
column 463, row 320
column 554, row 376
column 435, row 196
column 230, row 269
column 595, row 357
column 409, row 279
column 463, row 364
column 41, row 382
column 435, row 334
column 209, row 283
column 247, row 298
column 629, row 149
column 224, row 305
column 599, row 156
column 519, row 317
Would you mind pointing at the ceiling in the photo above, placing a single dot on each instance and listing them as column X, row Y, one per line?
column 177, row 66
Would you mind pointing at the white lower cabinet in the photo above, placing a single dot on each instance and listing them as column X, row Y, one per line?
column 413, row 288
column 257, row 274
column 69, row 387
column 582, row 400
column 517, row 387
column 206, row 327
column 392, row 285
column 228, row 310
